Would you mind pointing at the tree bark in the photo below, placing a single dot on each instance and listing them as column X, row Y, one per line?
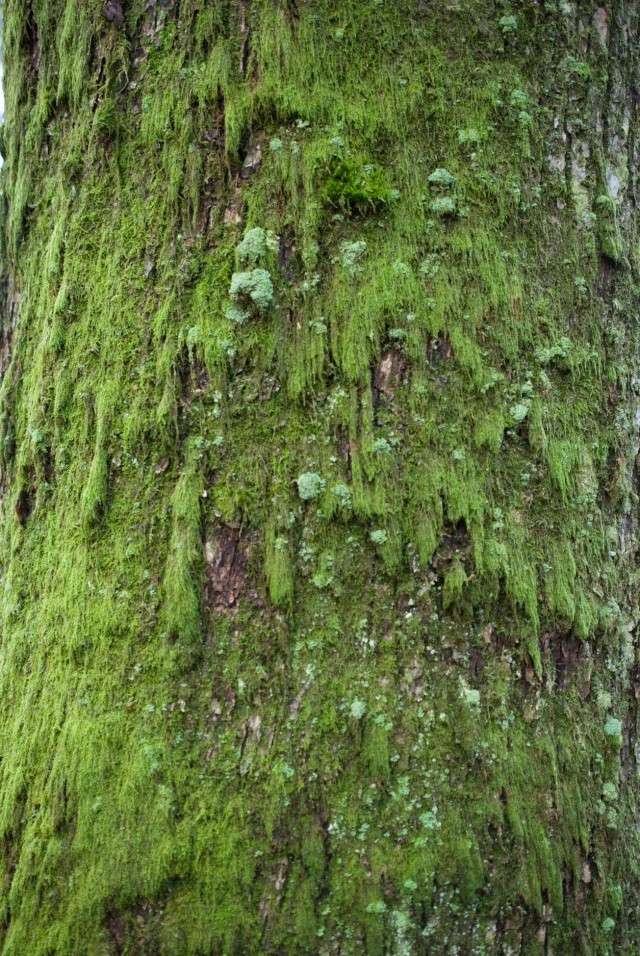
column 319, row 424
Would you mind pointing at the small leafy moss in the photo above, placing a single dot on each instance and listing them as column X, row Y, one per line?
column 358, row 187
column 182, row 605
column 607, row 229
column 279, row 569
column 106, row 118
column 454, row 584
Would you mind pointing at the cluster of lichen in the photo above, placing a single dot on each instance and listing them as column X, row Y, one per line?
column 424, row 451
column 251, row 288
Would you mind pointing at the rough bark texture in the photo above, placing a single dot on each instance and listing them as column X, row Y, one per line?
column 320, row 418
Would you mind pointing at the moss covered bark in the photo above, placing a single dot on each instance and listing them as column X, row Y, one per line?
column 319, row 419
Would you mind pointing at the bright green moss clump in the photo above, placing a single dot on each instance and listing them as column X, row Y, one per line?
column 358, row 187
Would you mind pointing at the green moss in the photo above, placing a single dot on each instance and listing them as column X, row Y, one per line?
column 565, row 459
column 608, row 233
column 279, row 569
column 454, row 585
column 560, row 583
column 357, row 186
column 490, row 430
column 181, row 590
column 94, row 495
column 413, row 399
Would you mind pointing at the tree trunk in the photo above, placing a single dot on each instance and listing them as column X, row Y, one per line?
column 319, row 421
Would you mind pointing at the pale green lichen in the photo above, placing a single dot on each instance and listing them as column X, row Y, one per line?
column 254, row 287
column 613, row 729
column 310, row 485
column 442, row 178
column 256, row 245
column 443, row 206
column 351, row 255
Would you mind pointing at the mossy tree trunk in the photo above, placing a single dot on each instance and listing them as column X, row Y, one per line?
column 320, row 415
